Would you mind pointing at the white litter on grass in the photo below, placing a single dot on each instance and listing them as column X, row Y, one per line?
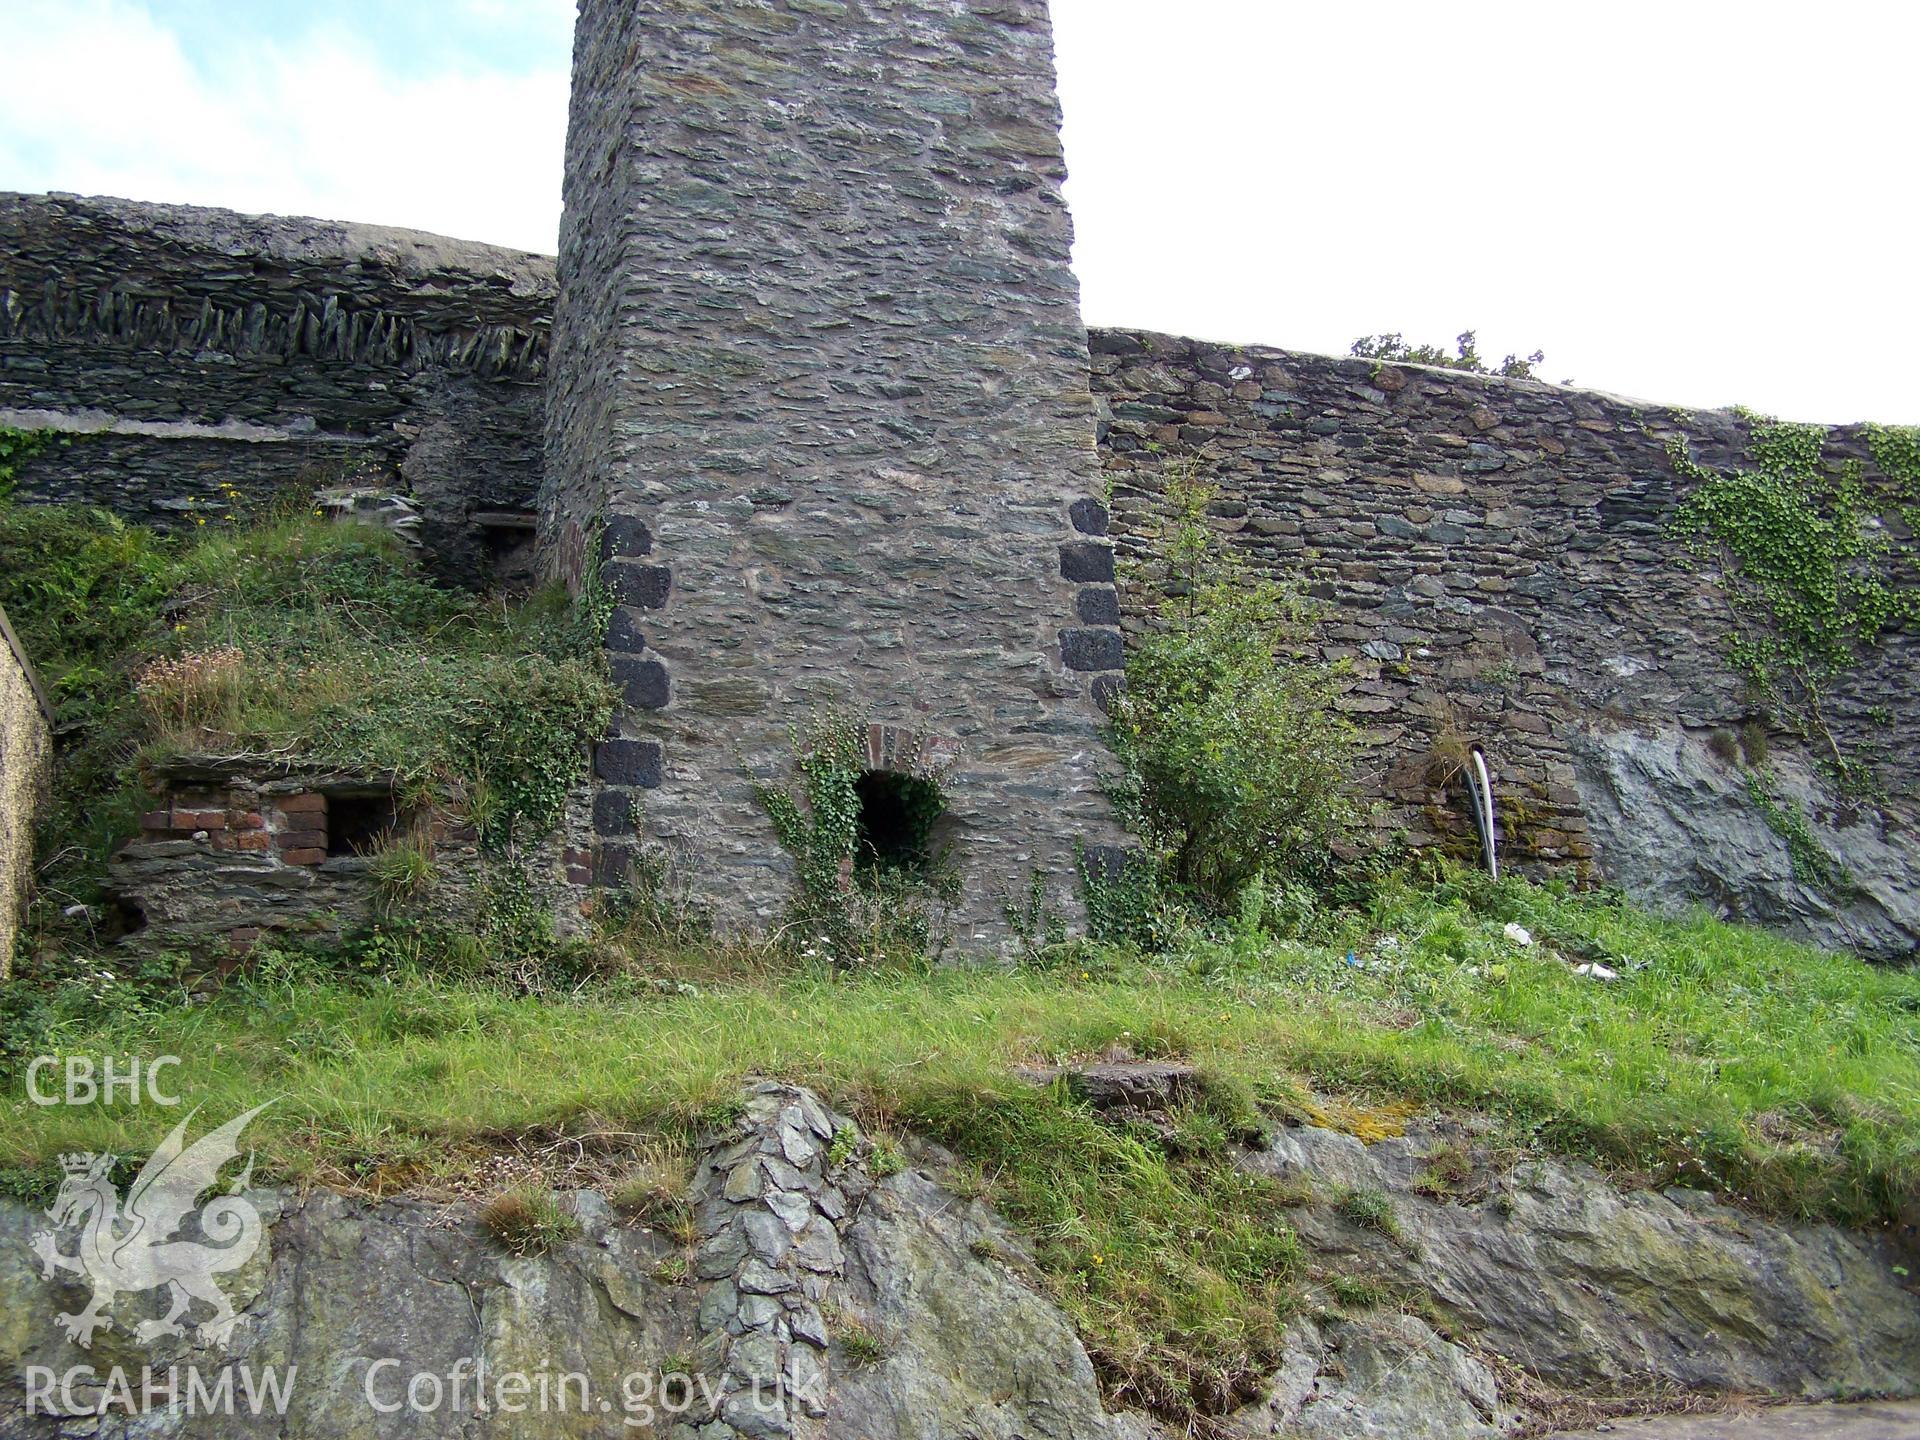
column 1598, row 972
column 1518, row 933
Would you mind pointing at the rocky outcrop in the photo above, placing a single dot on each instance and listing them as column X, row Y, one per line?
column 1598, row 1290
column 960, row 1332
column 375, row 1319
column 815, row 1300
column 1679, row 827
column 1382, row 1375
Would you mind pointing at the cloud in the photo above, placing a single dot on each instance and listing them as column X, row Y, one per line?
column 321, row 126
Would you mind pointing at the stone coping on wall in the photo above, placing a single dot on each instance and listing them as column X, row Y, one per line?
column 301, row 240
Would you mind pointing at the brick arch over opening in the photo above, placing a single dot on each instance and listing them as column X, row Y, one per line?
column 900, row 750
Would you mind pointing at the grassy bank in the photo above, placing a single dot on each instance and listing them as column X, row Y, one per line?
column 1720, row 1058
column 1778, row 1074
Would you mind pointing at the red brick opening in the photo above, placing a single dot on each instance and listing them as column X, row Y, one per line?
column 358, row 823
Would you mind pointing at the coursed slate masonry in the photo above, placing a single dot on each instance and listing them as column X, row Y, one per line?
column 820, row 400
column 818, row 413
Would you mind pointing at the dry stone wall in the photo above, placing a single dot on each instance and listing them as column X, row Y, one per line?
column 823, row 383
column 198, row 357
column 1496, row 565
column 822, row 419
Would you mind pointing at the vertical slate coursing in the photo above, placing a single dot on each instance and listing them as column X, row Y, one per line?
column 186, row 350
column 822, row 371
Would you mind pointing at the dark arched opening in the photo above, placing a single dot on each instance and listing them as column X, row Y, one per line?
column 895, row 827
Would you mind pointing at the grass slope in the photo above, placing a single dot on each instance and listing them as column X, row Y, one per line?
column 1722, row 1058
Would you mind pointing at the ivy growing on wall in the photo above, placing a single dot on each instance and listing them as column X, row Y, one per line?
column 1813, row 864
column 16, row 448
column 852, row 905
column 819, row 826
column 1815, row 577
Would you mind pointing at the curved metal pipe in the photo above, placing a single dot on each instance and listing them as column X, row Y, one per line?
column 1480, row 788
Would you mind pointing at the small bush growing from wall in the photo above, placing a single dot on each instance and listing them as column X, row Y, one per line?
column 1465, row 356
column 1235, row 760
column 16, row 448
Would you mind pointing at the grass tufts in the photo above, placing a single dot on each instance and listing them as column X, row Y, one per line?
column 527, row 1221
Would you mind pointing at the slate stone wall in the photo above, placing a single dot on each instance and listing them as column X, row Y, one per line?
column 1495, row 560
column 823, row 378
column 822, row 411
column 185, row 348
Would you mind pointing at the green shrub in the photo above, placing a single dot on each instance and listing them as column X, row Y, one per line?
column 654, row 1191
column 1369, row 1209
column 858, row 1340
column 19, row 446
column 1235, row 760
column 1465, row 355
column 403, row 867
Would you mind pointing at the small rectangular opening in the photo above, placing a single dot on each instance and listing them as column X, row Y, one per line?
column 507, row 541
column 894, row 828
column 356, row 824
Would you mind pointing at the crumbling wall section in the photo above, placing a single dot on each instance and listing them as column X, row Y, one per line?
column 200, row 359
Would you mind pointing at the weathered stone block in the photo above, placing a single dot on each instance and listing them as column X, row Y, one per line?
column 643, row 683
column 623, row 631
column 643, row 586
column 1092, row 649
column 626, row 537
column 612, row 865
column 1098, row 605
column 629, row 762
column 1104, row 862
column 1084, row 560
column 1089, row 517
column 613, row 812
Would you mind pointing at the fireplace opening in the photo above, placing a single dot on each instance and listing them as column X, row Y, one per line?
column 895, row 826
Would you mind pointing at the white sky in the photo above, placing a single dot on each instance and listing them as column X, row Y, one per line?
column 1692, row 202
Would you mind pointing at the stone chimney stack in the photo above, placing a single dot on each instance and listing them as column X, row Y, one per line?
column 820, row 399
